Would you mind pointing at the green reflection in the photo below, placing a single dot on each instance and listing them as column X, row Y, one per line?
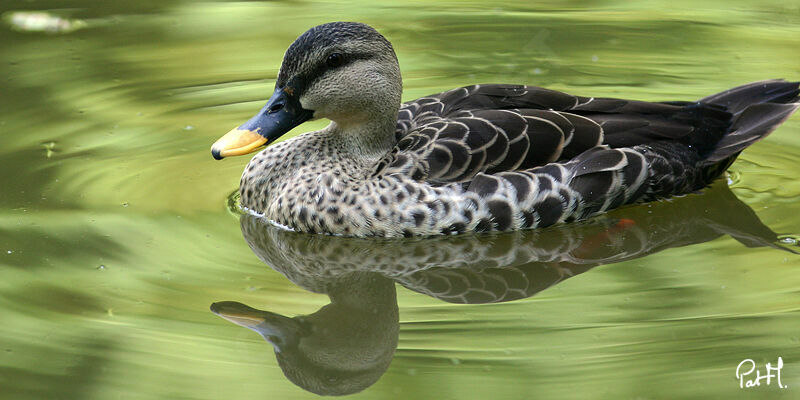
column 133, row 100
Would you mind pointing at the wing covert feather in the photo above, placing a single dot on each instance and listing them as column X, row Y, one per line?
column 455, row 135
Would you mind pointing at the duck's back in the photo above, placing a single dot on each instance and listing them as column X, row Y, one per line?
column 537, row 157
column 453, row 136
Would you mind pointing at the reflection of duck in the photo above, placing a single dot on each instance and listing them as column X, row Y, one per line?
column 346, row 346
column 479, row 158
column 481, row 268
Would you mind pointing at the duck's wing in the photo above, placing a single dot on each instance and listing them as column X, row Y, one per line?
column 453, row 136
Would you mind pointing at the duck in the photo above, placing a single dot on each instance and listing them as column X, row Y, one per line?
column 480, row 158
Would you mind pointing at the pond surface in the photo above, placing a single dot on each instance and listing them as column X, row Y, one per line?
column 116, row 234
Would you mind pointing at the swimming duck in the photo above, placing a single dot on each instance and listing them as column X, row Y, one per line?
column 477, row 158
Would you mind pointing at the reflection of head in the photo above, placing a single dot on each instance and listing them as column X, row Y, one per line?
column 341, row 349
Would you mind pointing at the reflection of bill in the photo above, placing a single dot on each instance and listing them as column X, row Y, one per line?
column 746, row 368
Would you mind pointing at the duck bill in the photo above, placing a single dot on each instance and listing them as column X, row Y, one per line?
column 281, row 113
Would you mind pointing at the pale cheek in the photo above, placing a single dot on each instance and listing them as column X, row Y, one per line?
column 332, row 100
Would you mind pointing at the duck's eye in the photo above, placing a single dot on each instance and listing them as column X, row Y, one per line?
column 335, row 60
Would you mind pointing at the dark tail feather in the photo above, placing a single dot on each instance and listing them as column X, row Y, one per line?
column 758, row 108
column 740, row 98
column 754, row 123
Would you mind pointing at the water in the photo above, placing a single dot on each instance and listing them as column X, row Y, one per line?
column 115, row 234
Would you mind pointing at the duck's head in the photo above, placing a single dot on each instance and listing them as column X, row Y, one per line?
column 344, row 71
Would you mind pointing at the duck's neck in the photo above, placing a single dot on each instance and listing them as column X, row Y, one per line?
column 366, row 140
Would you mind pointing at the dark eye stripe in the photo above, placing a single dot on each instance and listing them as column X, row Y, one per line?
column 302, row 81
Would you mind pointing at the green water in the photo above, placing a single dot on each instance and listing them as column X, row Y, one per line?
column 116, row 237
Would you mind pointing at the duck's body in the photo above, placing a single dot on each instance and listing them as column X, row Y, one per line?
column 480, row 158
